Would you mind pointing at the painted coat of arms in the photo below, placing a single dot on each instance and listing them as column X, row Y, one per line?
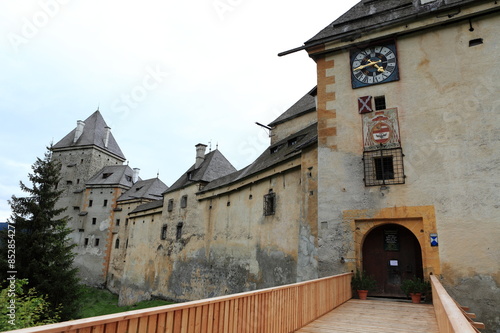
column 381, row 129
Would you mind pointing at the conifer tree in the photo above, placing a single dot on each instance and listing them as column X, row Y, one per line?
column 43, row 253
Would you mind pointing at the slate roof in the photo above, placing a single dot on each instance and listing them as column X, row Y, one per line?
column 145, row 189
column 214, row 166
column 147, row 206
column 277, row 153
column 113, row 175
column 94, row 134
column 368, row 15
column 304, row 105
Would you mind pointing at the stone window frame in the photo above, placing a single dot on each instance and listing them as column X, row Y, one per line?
column 164, row 229
column 184, row 200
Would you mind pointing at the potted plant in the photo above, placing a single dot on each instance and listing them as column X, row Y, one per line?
column 363, row 283
column 415, row 288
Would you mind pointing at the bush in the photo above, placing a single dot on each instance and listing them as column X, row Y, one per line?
column 363, row 281
column 415, row 286
column 21, row 309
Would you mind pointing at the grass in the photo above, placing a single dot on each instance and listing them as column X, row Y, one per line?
column 98, row 302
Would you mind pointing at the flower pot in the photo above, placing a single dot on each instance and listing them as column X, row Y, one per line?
column 362, row 294
column 416, row 297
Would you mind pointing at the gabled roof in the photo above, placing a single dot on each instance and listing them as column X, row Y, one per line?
column 94, row 134
column 214, row 166
column 147, row 206
column 369, row 14
column 278, row 153
column 145, row 189
column 113, row 175
column 304, row 105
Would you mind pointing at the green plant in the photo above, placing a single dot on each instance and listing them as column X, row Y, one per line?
column 415, row 286
column 22, row 307
column 363, row 281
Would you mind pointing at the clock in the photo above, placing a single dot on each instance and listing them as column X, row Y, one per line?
column 374, row 65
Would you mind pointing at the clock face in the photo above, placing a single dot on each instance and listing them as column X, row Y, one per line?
column 373, row 65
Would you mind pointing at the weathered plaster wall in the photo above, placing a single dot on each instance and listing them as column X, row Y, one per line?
column 447, row 100
column 227, row 244
column 281, row 131
column 121, row 233
column 92, row 259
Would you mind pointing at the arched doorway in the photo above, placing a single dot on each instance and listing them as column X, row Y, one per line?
column 391, row 253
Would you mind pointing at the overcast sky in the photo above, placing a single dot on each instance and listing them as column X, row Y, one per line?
column 165, row 75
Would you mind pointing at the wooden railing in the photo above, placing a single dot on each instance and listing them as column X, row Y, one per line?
column 280, row 309
column 450, row 316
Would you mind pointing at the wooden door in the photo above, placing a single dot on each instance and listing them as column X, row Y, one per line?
column 391, row 253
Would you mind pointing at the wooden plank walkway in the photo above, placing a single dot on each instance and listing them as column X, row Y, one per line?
column 376, row 316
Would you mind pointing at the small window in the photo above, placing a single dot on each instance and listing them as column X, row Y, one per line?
column 164, row 232
column 69, row 182
column 96, row 242
column 90, row 203
column 105, row 203
column 86, row 242
column 383, row 167
column 106, row 174
column 475, row 42
column 126, row 222
column 293, row 141
column 190, row 175
column 78, row 181
column 128, row 178
column 94, row 220
column 275, row 149
column 380, row 103
column 184, row 201
column 178, row 235
column 270, row 203
column 117, row 243
column 117, row 222
column 170, row 206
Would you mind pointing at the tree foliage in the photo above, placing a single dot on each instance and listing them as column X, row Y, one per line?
column 24, row 308
column 43, row 253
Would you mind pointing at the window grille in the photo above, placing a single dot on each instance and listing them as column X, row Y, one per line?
column 383, row 167
column 269, row 203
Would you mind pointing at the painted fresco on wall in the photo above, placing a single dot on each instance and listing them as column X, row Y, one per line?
column 381, row 129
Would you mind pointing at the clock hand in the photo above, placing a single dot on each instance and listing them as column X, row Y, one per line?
column 380, row 69
column 366, row 65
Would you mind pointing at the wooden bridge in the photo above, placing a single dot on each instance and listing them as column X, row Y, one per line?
column 323, row 306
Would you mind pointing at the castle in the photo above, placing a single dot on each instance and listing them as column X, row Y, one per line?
column 390, row 165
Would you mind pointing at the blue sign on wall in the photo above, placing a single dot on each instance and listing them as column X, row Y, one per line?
column 434, row 239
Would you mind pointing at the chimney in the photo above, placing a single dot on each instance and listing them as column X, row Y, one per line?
column 135, row 176
column 106, row 138
column 79, row 130
column 200, row 154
